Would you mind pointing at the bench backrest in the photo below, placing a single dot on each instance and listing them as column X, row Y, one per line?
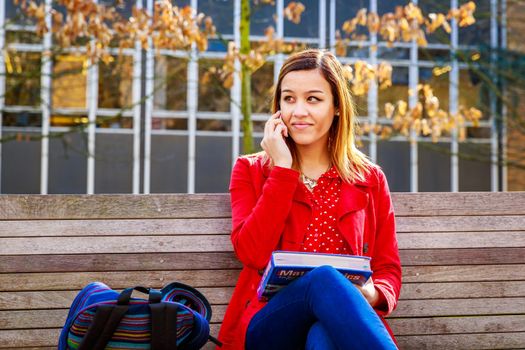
column 463, row 258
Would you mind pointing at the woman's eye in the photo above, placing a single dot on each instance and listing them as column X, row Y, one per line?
column 313, row 98
column 287, row 98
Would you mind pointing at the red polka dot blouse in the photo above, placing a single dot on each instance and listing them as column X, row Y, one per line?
column 322, row 234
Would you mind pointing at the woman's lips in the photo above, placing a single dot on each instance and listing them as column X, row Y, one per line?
column 301, row 126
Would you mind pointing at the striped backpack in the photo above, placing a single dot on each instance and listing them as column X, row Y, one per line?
column 175, row 317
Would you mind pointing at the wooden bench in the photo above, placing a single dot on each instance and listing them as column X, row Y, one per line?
column 463, row 258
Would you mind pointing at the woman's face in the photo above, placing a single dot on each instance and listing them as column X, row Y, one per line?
column 307, row 106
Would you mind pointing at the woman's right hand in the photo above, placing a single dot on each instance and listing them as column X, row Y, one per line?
column 273, row 142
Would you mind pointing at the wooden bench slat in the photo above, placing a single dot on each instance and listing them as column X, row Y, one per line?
column 221, row 295
column 101, row 206
column 463, row 341
column 118, row 262
column 31, row 207
column 62, row 299
column 227, row 260
column 452, row 240
column 477, row 256
column 464, row 273
column 77, row 280
column 457, row 325
column 462, row 290
column 459, row 203
column 118, row 244
column 139, row 227
column 459, row 223
column 460, row 307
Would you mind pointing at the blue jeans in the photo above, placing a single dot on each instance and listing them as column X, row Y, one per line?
column 321, row 310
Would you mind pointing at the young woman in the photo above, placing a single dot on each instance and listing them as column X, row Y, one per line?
column 312, row 190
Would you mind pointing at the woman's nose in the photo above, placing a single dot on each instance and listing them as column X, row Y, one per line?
column 299, row 110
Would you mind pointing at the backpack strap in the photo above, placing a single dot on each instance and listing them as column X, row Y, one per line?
column 105, row 322
column 163, row 326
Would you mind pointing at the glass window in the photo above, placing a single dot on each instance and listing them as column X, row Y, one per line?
column 169, row 164
column 479, row 32
column 22, row 36
column 160, row 123
column 22, row 78
column 68, row 164
column 308, row 27
column 473, row 92
column 438, row 79
column 440, row 36
column 21, row 177
column 221, row 11
column 213, row 96
column 390, row 53
column 346, row 10
column 22, row 119
column 115, row 83
column 361, row 105
column 14, row 13
column 171, row 83
column 262, row 17
column 398, row 90
column 214, row 124
column 113, row 163
column 69, row 83
column 394, row 159
column 434, row 167
column 474, row 167
column 262, row 89
column 213, row 156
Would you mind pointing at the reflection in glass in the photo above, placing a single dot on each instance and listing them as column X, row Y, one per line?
column 221, row 11
column 171, row 83
column 213, row 96
column 22, row 78
column 440, row 36
column 114, row 85
column 213, row 125
column 309, row 25
column 24, row 119
column 262, row 88
column 69, row 82
column 471, row 93
column 262, row 16
column 479, row 32
column 438, row 79
column 398, row 90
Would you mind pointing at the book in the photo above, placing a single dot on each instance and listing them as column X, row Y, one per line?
column 285, row 266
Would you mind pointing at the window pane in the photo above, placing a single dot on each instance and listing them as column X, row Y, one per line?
column 213, row 164
column 113, row 163
column 22, row 119
column 115, row 83
column 221, row 11
column 474, row 167
column 171, row 83
column 438, row 81
column 14, row 13
column 440, row 36
column 262, row 88
column 434, row 167
column 69, row 81
column 479, row 32
column 262, row 17
column 361, row 105
column 398, row 90
column 213, row 96
column 22, row 36
column 394, row 159
column 158, row 123
column 22, row 78
column 21, row 177
column 473, row 92
column 68, row 164
column 309, row 25
column 388, row 53
column 214, row 124
column 169, row 164
column 346, row 10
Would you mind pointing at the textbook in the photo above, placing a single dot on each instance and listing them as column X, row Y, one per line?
column 284, row 267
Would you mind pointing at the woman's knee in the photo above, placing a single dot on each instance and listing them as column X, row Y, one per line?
column 319, row 339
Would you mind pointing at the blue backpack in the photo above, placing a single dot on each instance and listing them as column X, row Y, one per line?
column 175, row 317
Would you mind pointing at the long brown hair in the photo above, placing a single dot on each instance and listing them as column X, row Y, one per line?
column 351, row 163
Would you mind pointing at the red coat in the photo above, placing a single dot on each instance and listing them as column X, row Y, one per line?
column 270, row 212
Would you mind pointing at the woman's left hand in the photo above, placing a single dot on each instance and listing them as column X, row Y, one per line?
column 369, row 292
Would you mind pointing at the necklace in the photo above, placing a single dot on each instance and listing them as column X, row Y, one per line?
column 309, row 183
